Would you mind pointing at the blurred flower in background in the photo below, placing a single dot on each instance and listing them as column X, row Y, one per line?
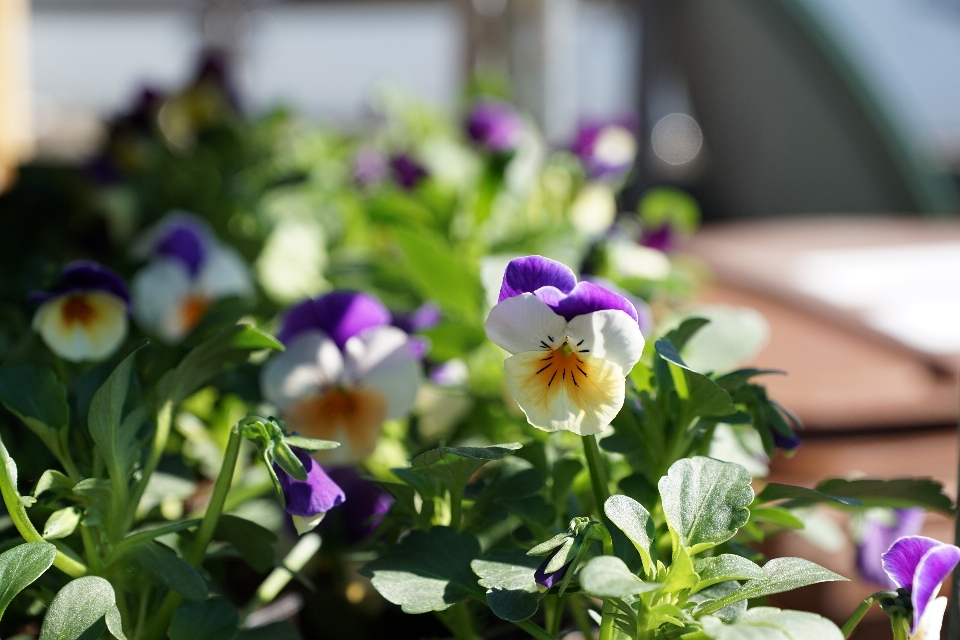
column 407, row 172
column 669, row 216
column 494, row 125
column 878, row 530
column 607, row 150
column 84, row 314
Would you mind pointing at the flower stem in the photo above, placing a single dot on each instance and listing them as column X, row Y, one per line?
column 164, row 420
column 580, row 616
column 194, row 558
column 456, row 506
column 299, row 556
column 861, row 611
column 598, row 475
column 535, row 630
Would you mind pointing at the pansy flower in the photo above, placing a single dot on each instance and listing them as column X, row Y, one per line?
column 606, row 150
column 188, row 271
column 494, row 125
column 344, row 372
column 84, row 314
column 547, row 580
column 878, row 534
column 919, row 565
column 307, row 501
column 572, row 345
column 407, row 172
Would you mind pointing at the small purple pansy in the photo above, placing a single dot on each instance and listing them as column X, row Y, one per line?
column 877, row 536
column 308, row 500
column 494, row 125
column 920, row 565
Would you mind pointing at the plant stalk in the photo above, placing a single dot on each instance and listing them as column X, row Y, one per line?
column 160, row 436
column 598, row 474
column 861, row 611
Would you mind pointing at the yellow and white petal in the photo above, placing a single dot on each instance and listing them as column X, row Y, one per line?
column 932, row 620
column 559, row 389
column 310, row 363
column 305, row 525
column 351, row 416
column 381, row 359
column 223, row 274
column 82, row 326
column 524, row 323
column 159, row 291
column 609, row 334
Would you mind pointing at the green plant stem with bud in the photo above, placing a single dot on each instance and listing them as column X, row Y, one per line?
column 861, row 611
column 601, row 491
column 194, row 558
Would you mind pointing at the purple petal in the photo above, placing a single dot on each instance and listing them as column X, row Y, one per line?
column 547, row 580
column 644, row 312
column 84, row 275
column 526, row 275
column 790, row 443
column 495, row 125
column 427, row 316
column 313, row 496
column 584, row 146
column 366, row 503
column 185, row 240
column 340, row 314
column 878, row 537
column 662, row 239
column 902, row 558
column 406, row 171
column 935, row 565
column 587, row 297
column 370, row 167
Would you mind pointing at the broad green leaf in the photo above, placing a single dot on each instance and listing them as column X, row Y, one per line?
column 609, row 577
column 688, row 328
column 79, row 611
column 776, row 515
column 454, row 465
column 564, row 472
column 704, row 396
column 779, row 575
column 508, row 576
column 769, row 623
column 705, row 501
column 170, row 570
column 254, row 543
column 428, row 486
column 52, row 480
column 729, row 613
column 213, row 619
column 95, row 495
column 439, row 273
column 229, row 347
column 117, row 445
column 36, row 397
column 801, row 495
column 734, row 379
column 61, row 523
column 310, row 444
column 427, row 571
column 896, row 493
column 680, row 574
column 20, row 566
column 546, row 547
column 288, row 461
column 634, row 520
column 723, row 568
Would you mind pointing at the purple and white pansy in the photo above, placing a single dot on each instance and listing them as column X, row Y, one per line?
column 344, row 372
column 607, row 150
column 878, row 532
column 571, row 344
column 920, row 565
column 307, row 501
column 189, row 270
column 84, row 314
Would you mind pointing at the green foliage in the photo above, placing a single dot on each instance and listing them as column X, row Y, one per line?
column 36, row 397
column 769, row 623
column 609, row 577
column 81, row 611
column 254, row 543
column 166, row 567
column 725, row 567
column 897, row 493
column 454, row 465
column 512, row 592
column 20, row 566
column 213, row 619
column 634, row 520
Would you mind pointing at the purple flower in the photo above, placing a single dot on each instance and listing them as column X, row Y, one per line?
column 308, row 500
column 339, row 314
column 84, row 314
column 644, row 312
column 184, row 239
column 879, row 536
column 424, row 317
column 663, row 238
column 452, row 373
column 547, row 580
column 366, row 503
column 407, row 172
column 919, row 565
column 607, row 150
column 495, row 125
column 787, row 443
column 370, row 167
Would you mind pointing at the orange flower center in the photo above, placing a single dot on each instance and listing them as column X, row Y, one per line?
column 192, row 311
column 77, row 310
column 350, row 416
column 562, row 366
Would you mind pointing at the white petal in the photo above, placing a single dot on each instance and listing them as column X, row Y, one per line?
column 224, row 274
column 76, row 340
column 594, row 210
column 609, row 334
column 381, row 359
column 932, row 620
column 311, row 362
column 305, row 525
column 158, row 290
column 579, row 393
column 520, row 324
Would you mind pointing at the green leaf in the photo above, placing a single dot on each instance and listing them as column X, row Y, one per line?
column 288, row 461
column 20, row 566
column 801, row 495
column 715, row 592
column 776, row 515
column 508, row 576
column 723, row 568
column 634, row 520
column 439, row 273
column 688, row 328
column 170, row 570
column 705, row 397
column 254, row 543
column 609, row 577
column 779, row 575
column 61, row 523
column 310, row 444
column 427, row 571
column 52, row 480
column 705, row 501
column 732, row 380
column 95, row 494
column 79, row 611
column 680, row 574
column 453, row 466
column 770, row 623
column 896, row 493
column 228, row 347
column 36, row 397
column 213, row 619
column 117, row 445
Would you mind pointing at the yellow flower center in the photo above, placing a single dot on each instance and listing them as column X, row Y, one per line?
column 351, row 416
